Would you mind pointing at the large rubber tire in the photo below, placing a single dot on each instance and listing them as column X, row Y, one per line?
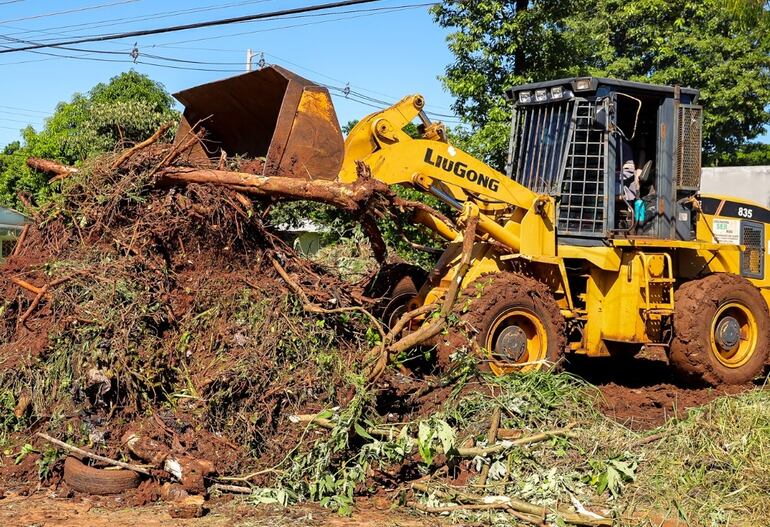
column 394, row 287
column 700, row 307
column 493, row 303
column 90, row 480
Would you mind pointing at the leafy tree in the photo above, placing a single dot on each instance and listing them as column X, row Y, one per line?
column 752, row 154
column 127, row 109
column 699, row 43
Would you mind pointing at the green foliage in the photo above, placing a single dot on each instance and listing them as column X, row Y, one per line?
column 612, row 475
column 752, row 154
column 703, row 44
column 127, row 109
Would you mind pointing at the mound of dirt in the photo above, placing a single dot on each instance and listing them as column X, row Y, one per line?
column 130, row 299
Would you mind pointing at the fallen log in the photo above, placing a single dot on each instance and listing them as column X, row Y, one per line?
column 50, row 167
column 347, row 196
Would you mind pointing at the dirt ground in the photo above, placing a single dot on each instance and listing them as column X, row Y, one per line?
column 644, row 392
column 45, row 509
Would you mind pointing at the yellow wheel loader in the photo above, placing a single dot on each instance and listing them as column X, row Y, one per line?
column 594, row 241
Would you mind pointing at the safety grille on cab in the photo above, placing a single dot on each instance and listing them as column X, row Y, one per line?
column 688, row 169
column 753, row 258
column 582, row 196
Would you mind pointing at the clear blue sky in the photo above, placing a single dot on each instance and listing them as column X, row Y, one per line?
column 383, row 54
column 382, row 51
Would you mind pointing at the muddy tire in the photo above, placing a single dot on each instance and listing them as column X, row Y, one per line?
column 513, row 319
column 721, row 330
column 394, row 287
column 90, row 480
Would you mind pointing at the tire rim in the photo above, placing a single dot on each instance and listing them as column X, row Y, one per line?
column 733, row 335
column 396, row 309
column 517, row 341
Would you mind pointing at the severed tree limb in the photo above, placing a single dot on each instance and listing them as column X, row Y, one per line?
column 29, row 207
column 462, row 451
column 437, row 324
column 534, row 520
column 32, row 306
column 97, row 457
column 347, row 196
column 505, row 502
column 379, row 247
column 144, row 144
column 235, row 489
column 491, row 439
column 50, row 167
column 42, row 293
column 26, row 285
column 328, row 424
column 20, row 240
column 529, row 518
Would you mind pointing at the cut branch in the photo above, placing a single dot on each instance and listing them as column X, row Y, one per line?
column 20, row 242
column 491, row 439
column 429, row 331
column 346, row 196
column 508, row 503
column 97, row 457
column 144, row 144
column 50, row 167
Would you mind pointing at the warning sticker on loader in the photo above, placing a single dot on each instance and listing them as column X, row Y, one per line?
column 727, row 231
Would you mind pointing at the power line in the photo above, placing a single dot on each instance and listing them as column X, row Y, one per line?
column 68, row 11
column 197, row 25
column 363, row 13
column 132, row 19
column 22, row 109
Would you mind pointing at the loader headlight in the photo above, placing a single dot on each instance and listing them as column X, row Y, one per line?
column 556, row 92
column 541, row 95
column 583, row 84
column 525, row 97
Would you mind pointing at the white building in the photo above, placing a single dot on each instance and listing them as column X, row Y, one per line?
column 751, row 183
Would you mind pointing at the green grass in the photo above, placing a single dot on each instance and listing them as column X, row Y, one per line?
column 712, row 468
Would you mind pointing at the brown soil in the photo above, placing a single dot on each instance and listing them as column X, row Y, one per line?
column 644, row 392
column 48, row 510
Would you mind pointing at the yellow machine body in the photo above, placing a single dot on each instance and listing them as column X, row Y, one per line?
column 624, row 291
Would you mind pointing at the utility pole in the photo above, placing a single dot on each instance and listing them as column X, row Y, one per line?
column 249, row 58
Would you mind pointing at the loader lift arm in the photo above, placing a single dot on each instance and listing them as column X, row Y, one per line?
column 504, row 207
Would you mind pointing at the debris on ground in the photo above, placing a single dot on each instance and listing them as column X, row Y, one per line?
column 158, row 338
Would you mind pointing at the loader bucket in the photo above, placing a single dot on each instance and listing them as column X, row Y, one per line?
column 270, row 114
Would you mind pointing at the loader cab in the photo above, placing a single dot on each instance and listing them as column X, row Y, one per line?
column 621, row 158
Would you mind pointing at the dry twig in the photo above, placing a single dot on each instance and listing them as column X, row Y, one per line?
column 144, row 144
column 97, row 457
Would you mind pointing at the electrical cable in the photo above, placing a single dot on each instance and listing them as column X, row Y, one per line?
column 68, row 11
column 133, row 19
column 197, row 25
column 365, row 13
